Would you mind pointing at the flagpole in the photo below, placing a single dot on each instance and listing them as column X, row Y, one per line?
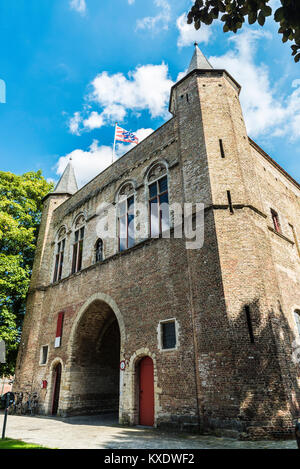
column 114, row 146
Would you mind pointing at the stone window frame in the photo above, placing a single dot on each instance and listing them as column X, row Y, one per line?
column 159, row 335
column 78, row 223
column 41, row 355
column 96, row 249
column 61, row 235
column 119, row 197
column 147, row 192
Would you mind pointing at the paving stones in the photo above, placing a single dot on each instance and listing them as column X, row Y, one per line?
column 98, row 432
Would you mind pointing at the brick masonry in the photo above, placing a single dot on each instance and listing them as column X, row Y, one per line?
column 216, row 379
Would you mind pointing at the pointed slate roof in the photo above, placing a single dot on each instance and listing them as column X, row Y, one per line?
column 67, row 183
column 199, row 60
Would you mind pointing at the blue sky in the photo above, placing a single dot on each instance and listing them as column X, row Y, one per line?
column 74, row 67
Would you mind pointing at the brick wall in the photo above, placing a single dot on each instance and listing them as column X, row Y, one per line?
column 217, row 377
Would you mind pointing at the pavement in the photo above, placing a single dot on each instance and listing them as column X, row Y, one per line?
column 103, row 432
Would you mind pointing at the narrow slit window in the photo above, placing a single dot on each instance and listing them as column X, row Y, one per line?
column 99, row 250
column 159, row 207
column 229, row 202
column 126, row 223
column 77, row 250
column 249, row 323
column 221, row 148
column 275, row 219
column 59, row 260
column 44, row 354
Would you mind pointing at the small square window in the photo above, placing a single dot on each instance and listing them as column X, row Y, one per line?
column 44, row 355
column 168, row 336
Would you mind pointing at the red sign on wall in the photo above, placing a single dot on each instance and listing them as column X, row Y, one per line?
column 122, row 365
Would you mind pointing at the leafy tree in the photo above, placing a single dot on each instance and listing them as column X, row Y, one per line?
column 235, row 11
column 20, row 214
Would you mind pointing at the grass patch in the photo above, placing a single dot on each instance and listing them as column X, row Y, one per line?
column 8, row 443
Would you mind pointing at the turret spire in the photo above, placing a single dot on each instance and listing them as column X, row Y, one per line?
column 67, row 183
column 199, row 61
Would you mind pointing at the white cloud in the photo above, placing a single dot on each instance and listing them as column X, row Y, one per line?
column 143, row 133
column 188, row 34
column 94, row 121
column 78, row 5
column 74, row 123
column 296, row 83
column 263, row 109
column 87, row 164
column 158, row 22
column 114, row 113
column 147, row 88
column 54, row 181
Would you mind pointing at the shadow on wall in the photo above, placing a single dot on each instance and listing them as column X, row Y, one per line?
column 265, row 378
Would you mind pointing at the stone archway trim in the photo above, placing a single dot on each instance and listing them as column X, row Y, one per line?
column 48, row 399
column 129, row 400
column 110, row 302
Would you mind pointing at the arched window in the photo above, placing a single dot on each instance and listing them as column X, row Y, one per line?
column 158, row 200
column 59, row 256
column 78, row 244
column 99, row 250
column 126, row 234
column 297, row 319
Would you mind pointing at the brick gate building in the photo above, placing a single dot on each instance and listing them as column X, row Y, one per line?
column 206, row 337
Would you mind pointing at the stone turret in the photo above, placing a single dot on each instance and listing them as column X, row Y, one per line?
column 65, row 188
column 41, row 274
column 67, row 183
column 199, row 61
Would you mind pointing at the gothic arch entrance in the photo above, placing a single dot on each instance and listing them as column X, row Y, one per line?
column 95, row 359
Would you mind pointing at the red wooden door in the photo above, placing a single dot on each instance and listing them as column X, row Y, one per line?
column 146, row 392
column 57, row 378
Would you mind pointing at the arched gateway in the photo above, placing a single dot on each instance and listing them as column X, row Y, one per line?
column 94, row 357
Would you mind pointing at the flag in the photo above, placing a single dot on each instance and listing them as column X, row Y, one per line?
column 125, row 136
column 60, row 319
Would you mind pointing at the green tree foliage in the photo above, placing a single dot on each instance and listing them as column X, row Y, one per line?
column 234, row 12
column 20, row 214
